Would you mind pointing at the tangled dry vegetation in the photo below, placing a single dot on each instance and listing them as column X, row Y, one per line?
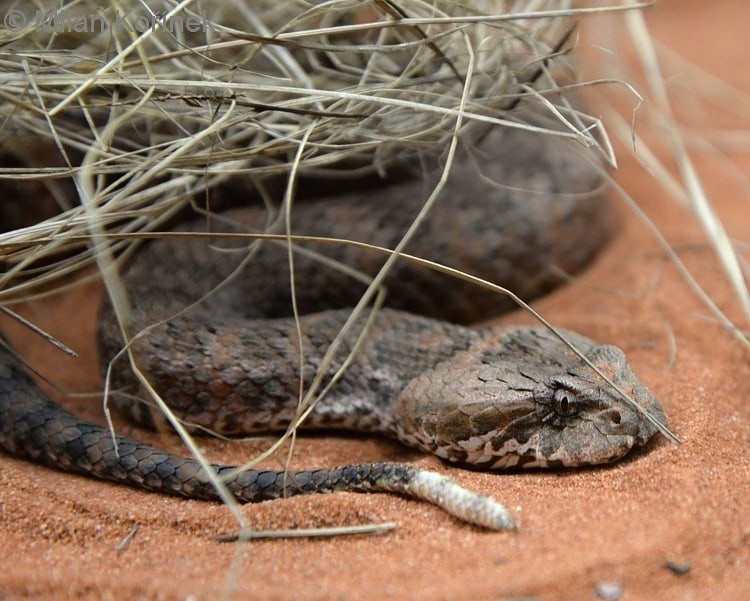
column 124, row 114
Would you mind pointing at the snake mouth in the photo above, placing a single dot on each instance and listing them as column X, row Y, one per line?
column 547, row 448
column 608, row 451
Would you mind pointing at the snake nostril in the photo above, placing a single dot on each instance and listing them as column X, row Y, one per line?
column 616, row 417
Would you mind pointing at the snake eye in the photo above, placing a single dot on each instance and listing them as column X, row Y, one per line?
column 564, row 402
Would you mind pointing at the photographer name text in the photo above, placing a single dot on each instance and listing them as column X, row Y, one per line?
column 56, row 21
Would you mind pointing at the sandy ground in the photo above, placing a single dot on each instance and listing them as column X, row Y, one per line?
column 581, row 531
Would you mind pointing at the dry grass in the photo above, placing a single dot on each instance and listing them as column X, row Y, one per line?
column 683, row 185
column 143, row 122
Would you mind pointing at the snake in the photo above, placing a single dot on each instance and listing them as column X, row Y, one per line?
column 212, row 328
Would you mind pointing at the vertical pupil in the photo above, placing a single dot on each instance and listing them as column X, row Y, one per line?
column 563, row 402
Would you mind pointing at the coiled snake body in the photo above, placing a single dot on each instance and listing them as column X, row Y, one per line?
column 492, row 398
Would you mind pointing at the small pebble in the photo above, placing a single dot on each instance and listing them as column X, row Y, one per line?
column 679, row 568
column 609, row 591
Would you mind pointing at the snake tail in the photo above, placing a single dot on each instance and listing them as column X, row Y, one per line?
column 35, row 427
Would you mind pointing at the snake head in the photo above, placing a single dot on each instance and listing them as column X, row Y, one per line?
column 527, row 400
column 583, row 419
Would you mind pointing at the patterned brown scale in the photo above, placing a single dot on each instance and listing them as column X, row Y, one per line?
column 493, row 398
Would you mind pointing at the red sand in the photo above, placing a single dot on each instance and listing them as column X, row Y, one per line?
column 689, row 504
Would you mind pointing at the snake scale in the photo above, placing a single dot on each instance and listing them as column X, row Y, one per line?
column 498, row 397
